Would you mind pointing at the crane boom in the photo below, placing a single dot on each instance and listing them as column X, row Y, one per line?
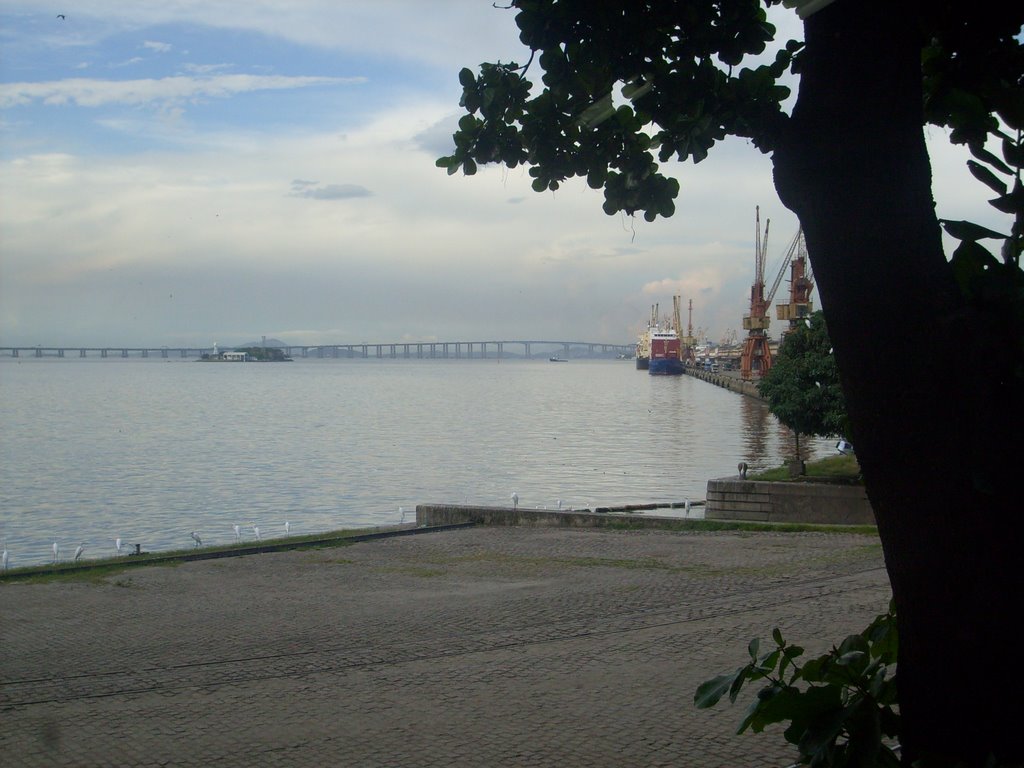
column 786, row 261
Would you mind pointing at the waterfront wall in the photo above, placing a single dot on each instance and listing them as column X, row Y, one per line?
column 759, row 501
column 729, row 380
column 453, row 514
column 729, row 499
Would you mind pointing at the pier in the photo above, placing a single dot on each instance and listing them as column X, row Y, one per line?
column 429, row 350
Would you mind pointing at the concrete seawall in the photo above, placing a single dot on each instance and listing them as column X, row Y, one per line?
column 453, row 514
column 730, row 380
column 729, row 499
column 819, row 503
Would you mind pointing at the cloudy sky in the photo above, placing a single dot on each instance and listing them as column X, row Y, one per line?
column 176, row 172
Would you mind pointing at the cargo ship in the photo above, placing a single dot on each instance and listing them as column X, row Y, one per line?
column 643, row 350
column 666, row 353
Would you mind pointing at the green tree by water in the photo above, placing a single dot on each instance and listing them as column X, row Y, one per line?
column 930, row 350
column 802, row 387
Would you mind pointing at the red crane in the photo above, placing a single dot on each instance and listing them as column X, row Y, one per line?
column 801, row 283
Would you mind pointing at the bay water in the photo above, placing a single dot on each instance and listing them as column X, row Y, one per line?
column 150, row 450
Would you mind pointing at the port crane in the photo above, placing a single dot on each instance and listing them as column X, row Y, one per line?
column 756, row 356
column 689, row 341
column 801, row 283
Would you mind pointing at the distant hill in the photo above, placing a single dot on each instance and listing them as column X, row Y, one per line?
column 268, row 343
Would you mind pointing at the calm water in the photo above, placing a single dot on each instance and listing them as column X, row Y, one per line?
column 150, row 450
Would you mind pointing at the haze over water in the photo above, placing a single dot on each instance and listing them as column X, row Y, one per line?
column 149, row 450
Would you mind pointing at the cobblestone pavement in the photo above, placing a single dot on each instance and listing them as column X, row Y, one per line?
column 475, row 647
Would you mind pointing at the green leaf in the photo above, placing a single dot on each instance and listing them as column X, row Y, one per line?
column 741, row 677
column 966, row 230
column 753, row 647
column 466, row 77
column 969, row 263
column 711, row 691
column 987, row 157
column 986, row 177
column 1013, row 152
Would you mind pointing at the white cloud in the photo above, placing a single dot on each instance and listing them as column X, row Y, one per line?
column 96, row 93
column 157, row 47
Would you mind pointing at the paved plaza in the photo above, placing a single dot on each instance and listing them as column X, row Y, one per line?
column 473, row 647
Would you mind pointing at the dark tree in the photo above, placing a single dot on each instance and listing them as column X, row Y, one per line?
column 930, row 351
column 802, row 387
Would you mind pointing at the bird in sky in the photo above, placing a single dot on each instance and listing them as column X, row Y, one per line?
column 195, row 537
column 79, row 550
column 61, row 16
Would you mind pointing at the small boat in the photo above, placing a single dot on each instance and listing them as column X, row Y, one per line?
column 557, row 360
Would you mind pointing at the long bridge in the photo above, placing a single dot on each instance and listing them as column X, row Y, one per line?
column 431, row 350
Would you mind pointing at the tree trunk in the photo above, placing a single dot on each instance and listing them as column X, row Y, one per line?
column 933, row 404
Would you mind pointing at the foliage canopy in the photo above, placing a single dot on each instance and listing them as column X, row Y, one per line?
column 802, row 387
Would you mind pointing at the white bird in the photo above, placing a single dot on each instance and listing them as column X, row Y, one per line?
column 195, row 538
column 79, row 550
column 117, row 544
column 5, row 557
column 238, row 532
column 287, row 527
column 256, row 531
column 559, row 503
column 686, row 506
column 56, row 551
column 515, row 500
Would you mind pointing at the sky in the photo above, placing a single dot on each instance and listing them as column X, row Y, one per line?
column 180, row 172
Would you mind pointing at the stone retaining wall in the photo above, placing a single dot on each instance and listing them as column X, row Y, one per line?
column 452, row 514
column 728, row 380
column 758, row 501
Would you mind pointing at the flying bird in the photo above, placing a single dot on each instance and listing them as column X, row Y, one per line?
column 196, row 539
column 61, row 16
column 79, row 550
